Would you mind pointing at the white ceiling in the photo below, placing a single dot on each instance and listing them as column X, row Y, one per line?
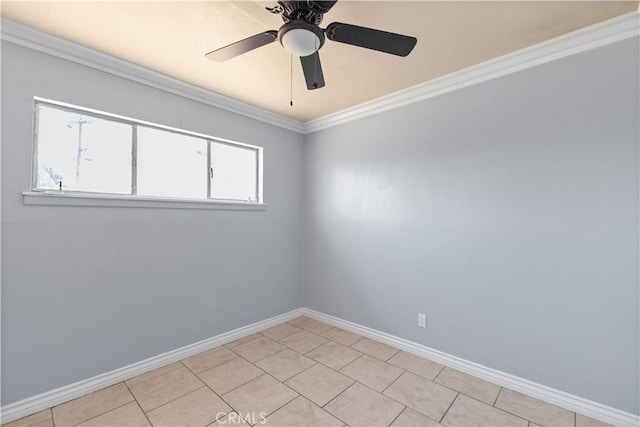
column 172, row 37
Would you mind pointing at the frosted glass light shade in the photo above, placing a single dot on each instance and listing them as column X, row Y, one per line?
column 300, row 42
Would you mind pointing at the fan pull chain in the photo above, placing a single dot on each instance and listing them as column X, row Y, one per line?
column 291, row 89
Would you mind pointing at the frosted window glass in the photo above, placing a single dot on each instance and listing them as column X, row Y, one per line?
column 170, row 164
column 84, row 152
column 234, row 172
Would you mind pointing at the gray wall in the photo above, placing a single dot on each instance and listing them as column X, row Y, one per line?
column 87, row 290
column 506, row 211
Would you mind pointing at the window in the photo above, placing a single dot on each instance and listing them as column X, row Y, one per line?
column 77, row 152
column 85, row 151
column 233, row 172
column 171, row 164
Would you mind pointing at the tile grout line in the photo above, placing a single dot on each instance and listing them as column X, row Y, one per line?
column 351, row 346
column 233, row 409
column 240, row 345
column 297, row 395
column 420, row 375
column 100, row 414
column 334, row 398
column 338, row 395
column 177, row 397
column 496, row 399
column 440, row 372
column 391, row 357
column 299, row 373
column 237, row 387
column 110, row 410
column 452, row 389
column 277, row 409
column 173, row 400
column 213, row 367
column 263, row 336
column 499, row 409
column 393, row 382
column 383, row 395
column 450, row 405
column 154, row 376
column 240, row 339
column 397, row 416
column 137, row 403
column 340, row 329
column 353, row 361
column 337, row 370
column 502, row 409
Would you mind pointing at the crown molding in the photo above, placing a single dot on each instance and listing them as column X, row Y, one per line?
column 603, row 33
column 26, row 36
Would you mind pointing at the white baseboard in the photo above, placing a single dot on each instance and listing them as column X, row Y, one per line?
column 578, row 404
column 39, row 402
column 63, row 394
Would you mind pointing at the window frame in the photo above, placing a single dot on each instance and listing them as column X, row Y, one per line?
column 75, row 197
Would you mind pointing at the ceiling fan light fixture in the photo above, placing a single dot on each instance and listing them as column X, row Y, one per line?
column 300, row 42
column 300, row 38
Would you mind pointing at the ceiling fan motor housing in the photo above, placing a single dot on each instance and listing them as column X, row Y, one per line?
column 307, row 11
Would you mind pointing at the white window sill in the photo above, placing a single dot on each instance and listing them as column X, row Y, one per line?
column 53, row 198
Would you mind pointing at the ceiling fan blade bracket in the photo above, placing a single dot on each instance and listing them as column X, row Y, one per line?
column 277, row 9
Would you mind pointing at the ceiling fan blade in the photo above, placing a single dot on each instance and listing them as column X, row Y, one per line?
column 395, row 44
column 312, row 71
column 242, row 46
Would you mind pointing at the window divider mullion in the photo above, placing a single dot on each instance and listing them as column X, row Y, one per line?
column 209, row 142
column 36, row 136
column 134, row 160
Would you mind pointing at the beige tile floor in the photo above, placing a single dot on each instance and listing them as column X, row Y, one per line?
column 305, row 373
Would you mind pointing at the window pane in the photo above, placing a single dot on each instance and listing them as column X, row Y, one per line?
column 85, row 152
column 234, row 172
column 170, row 164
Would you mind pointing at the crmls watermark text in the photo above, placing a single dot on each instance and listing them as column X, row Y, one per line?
column 234, row 418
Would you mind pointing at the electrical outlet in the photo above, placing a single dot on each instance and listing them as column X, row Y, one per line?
column 422, row 320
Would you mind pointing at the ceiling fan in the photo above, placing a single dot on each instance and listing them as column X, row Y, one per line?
column 301, row 36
